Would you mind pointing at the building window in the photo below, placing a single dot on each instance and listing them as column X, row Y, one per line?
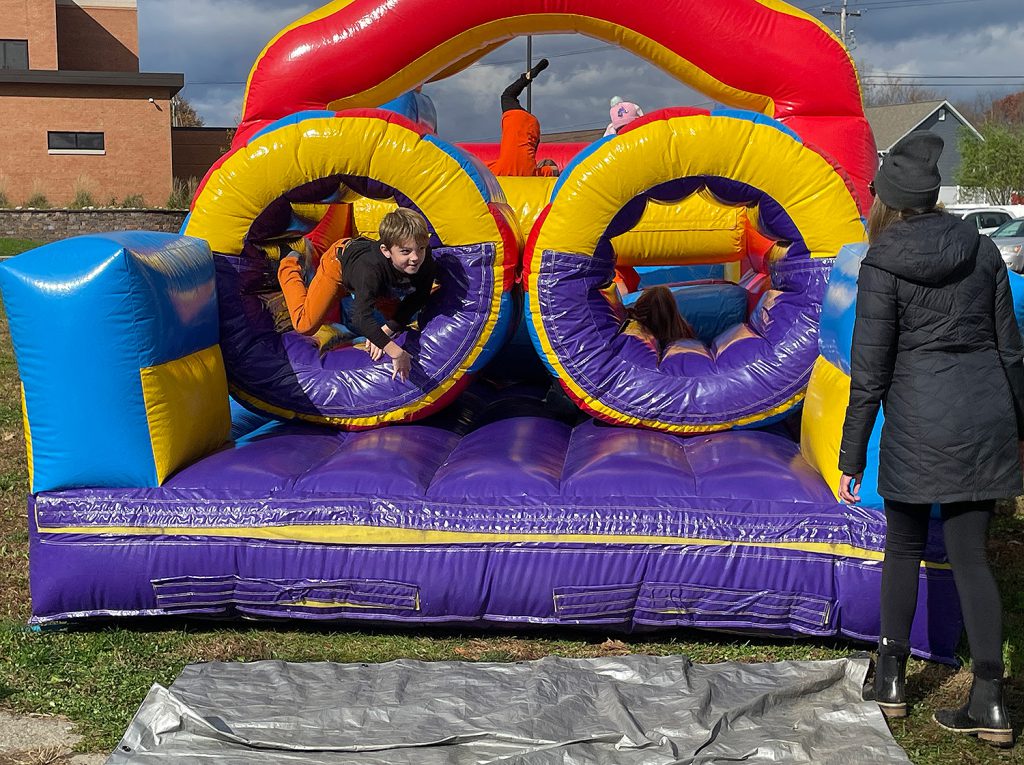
column 75, row 143
column 13, row 54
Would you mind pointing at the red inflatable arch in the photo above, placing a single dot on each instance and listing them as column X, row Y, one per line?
column 763, row 55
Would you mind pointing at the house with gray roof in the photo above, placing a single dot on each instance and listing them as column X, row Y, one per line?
column 891, row 123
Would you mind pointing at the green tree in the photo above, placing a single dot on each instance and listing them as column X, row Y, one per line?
column 993, row 164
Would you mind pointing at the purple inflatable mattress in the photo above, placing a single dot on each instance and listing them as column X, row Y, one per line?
column 521, row 520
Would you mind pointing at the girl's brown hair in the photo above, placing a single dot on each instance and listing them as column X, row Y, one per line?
column 881, row 216
column 656, row 309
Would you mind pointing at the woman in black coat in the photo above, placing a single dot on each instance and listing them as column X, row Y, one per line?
column 937, row 345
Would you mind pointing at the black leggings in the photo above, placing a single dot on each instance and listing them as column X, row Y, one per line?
column 510, row 96
column 965, row 528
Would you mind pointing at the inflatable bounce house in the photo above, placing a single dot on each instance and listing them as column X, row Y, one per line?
column 190, row 455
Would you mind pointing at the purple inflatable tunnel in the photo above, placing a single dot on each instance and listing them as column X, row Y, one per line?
column 751, row 373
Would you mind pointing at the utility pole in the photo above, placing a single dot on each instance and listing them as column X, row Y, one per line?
column 845, row 34
column 529, row 66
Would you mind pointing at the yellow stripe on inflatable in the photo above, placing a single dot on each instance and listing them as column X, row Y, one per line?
column 342, row 534
column 440, row 58
column 249, row 180
column 695, row 230
column 28, row 437
column 186, row 408
column 821, row 429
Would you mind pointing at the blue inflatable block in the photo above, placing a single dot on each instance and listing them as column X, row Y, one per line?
column 518, row 359
column 87, row 315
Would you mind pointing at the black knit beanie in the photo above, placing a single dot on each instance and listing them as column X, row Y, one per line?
column 909, row 176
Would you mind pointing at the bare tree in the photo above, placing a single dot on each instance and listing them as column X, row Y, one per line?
column 889, row 89
column 1008, row 110
column 183, row 114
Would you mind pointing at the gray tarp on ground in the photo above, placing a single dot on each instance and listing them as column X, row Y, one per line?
column 630, row 710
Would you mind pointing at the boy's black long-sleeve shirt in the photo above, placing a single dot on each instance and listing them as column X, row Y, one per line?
column 368, row 275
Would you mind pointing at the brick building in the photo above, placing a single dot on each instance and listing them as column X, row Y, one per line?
column 75, row 110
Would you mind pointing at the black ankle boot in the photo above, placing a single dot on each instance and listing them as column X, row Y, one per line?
column 889, row 687
column 984, row 715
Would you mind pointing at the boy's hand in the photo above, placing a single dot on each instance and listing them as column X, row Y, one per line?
column 401, row 365
column 377, row 353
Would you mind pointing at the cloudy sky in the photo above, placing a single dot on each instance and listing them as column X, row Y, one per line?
column 960, row 48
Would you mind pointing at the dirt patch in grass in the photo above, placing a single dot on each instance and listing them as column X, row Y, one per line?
column 232, row 647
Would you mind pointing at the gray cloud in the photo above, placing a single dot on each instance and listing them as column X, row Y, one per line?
column 215, row 42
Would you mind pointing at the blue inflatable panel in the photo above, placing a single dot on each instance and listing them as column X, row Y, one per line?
column 839, row 310
column 651, row 276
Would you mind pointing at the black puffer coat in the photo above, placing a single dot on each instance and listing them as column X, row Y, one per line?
column 937, row 344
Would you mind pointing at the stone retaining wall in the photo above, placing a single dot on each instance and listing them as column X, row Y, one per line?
column 50, row 225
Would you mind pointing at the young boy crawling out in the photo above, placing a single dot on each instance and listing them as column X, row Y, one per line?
column 398, row 266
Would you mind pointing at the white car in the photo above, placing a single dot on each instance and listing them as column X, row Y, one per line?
column 986, row 219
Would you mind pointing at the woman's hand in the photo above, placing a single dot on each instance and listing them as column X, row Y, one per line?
column 849, row 487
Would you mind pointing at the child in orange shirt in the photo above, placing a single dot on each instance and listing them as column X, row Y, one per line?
column 520, row 132
column 400, row 264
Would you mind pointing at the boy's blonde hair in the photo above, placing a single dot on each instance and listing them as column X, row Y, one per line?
column 401, row 225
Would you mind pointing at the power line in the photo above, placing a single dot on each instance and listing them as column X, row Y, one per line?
column 1019, row 84
column 886, row 5
column 909, row 76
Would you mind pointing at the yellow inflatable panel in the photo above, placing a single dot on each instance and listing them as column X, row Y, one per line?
column 527, row 197
column 821, row 429
column 695, row 230
column 187, row 408
column 368, row 213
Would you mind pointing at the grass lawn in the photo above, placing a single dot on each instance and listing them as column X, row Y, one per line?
column 10, row 247
column 98, row 676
